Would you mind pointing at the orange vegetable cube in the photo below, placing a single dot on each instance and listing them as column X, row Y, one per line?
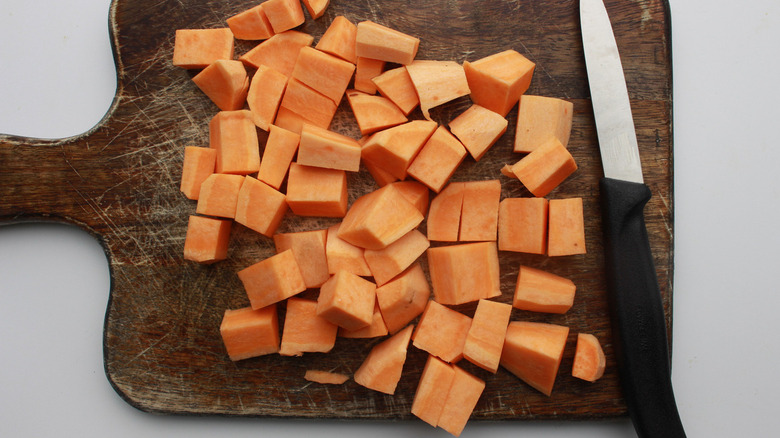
column 265, row 94
column 438, row 159
column 324, row 73
column 396, row 85
column 344, row 256
column 533, row 352
column 381, row 176
column 219, row 195
column 316, row 8
column 478, row 128
column 251, row 24
column 225, row 82
column 497, row 81
column 444, row 216
column 247, row 332
column 415, row 193
column 373, row 113
column 437, row 82
column 320, row 147
column 381, row 42
column 589, row 359
column 284, row 14
column 207, row 239
column 339, row 39
column 290, row 120
column 485, row 338
column 566, row 227
column 278, row 52
column 272, row 280
column 462, row 398
column 403, row 298
column 465, row 272
column 279, row 151
column 390, row 261
column 541, row 291
column 442, row 332
column 366, row 69
column 198, row 48
column 325, row 377
column 479, row 214
column 310, row 104
column 433, row 389
column 545, row 168
column 198, row 165
column 393, row 149
column 522, row 225
column 382, row 368
column 259, row 206
column 308, row 247
column 541, row 119
column 305, row 331
column 234, row 136
column 316, row 191
column 376, row 329
column 347, row 300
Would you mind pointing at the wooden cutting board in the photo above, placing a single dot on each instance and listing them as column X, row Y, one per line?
column 163, row 352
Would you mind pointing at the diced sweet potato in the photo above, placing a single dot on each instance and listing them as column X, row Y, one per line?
column 437, row 82
column 272, row 280
column 382, row 368
column 541, row 119
column 320, row 147
column 264, row 95
column 381, row 176
column 366, row 70
column 442, row 332
column 485, row 338
column 540, row 291
column 379, row 218
column 462, row 398
column 545, row 168
column 432, row 391
column 522, row 225
column 393, row 149
column 316, row 191
column 259, row 206
column 225, row 82
column 251, row 24
column 444, row 215
column 316, row 8
column 390, row 261
column 566, row 227
column 325, row 377
column 198, row 48
column 376, row 329
column 324, row 73
column 308, row 247
column 279, row 151
column 304, row 331
column 403, row 298
column 198, row 165
column 344, row 256
column 415, row 193
column 278, row 52
column 219, row 195
column 497, row 81
column 396, row 85
column 312, row 105
column 347, row 300
column 478, row 128
column 465, row 272
column 248, row 332
column 533, row 352
column 589, row 359
column 479, row 214
column 373, row 113
column 290, row 120
column 339, row 39
column 381, row 42
column 207, row 239
column 437, row 160
column 284, row 14
column 233, row 135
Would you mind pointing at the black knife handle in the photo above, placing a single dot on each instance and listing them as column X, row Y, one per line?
column 637, row 314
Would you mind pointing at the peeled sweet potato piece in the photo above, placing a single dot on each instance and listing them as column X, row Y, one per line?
column 390, row 261
column 316, row 8
column 317, row 191
column 308, row 247
column 304, row 331
column 284, row 14
column 396, row 85
column 393, row 149
column 589, row 359
column 366, row 69
column 479, row 213
column 280, row 148
column 438, row 160
column 545, row 168
column 442, row 332
column 251, row 24
column 431, row 394
column 264, row 95
column 497, row 81
column 278, row 52
column 403, row 298
column 377, row 328
column 541, row 291
column 339, row 39
column 248, row 332
column 272, row 280
column 325, row 73
column 207, row 239
column 219, row 195
column 465, row 272
column 381, row 42
column 382, row 368
column 462, row 398
column 259, row 206
column 347, row 300
column 522, row 225
column 325, row 377
column 198, row 165
column 199, row 48
column 444, row 215
column 373, row 113
column 344, row 256
column 533, row 352
column 437, row 82
column 566, row 227
column 540, row 119
column 233, row 135
column 320, row 147
column 478, row 128
column 485, row 338
column 225, row 82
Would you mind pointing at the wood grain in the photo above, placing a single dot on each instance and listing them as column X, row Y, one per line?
column 119, row 181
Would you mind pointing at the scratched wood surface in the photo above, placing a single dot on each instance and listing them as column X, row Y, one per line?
column 119, row 181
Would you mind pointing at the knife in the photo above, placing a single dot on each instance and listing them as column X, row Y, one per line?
column 636, row 310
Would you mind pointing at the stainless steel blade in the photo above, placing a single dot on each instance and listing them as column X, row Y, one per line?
column 611, row 106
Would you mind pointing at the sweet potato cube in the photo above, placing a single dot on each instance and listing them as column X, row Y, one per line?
column 251, row 24
column 325, row 377
column 442, row 332
column 247, row 332
column 376, row 329
column 485, row 338
column 462, row 398
column 545, row 168
column 415, row 193
column 479, row 214
column 433, row 389
column 438, row 160
column 272, row 280
column 497, row 81
column 366, row 69
column 234, row 136
column 305, row 331
column 278, row 52
column 540, row 291
column 465, row 272
column 403, row 298
column 393, row 149
column 478, row 128
column 381, row 42
column 320, row 147
column 198, row 48
column 390, row 261
column 347, row 300
column 198, row 165
column 396, row 85
column 309, row 103
column 279, row 151
column 308, row 247
column 437, row 82
column 540, row 119
column 284, row 14
column 522, row 225
column 316, row 191
column 566, row 227
column 379, row 218
column 444, row 215
column 292, row 121
column 381, row 176
column 382, row 368
column 259, row 206
column 344, row 256
column 225, row 82
column 373, row 113
column 316, row 8
column 324, row 73
column 589, row 359
column 219, row 195
column 265, row 94
column 533, row 352
column 339, row 39
column 207, row 239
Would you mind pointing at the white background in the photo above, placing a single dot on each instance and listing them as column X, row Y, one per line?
column 57, row 79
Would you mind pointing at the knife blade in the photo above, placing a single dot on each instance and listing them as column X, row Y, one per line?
column 636, row 308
